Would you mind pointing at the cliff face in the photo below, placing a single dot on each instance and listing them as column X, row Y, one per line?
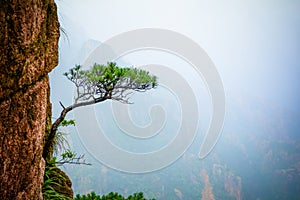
column 29, row 33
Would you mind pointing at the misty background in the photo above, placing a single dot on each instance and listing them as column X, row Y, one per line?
column 255, row 47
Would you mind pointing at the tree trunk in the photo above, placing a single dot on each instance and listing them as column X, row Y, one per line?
column 29, row 33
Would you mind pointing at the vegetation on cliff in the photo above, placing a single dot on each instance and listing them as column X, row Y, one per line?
column 95, row 85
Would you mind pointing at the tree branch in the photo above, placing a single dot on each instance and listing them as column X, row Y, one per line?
column 49, row 143
column 76, row 160
column 99, row 84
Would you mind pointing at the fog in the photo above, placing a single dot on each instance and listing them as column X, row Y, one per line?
column 255, row 47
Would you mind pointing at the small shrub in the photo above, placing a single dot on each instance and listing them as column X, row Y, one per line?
column 110, row 196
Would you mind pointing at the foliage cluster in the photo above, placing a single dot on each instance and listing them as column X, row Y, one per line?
column 110, row 196
column 52, row 180
column 109, row 82
column 60, row 141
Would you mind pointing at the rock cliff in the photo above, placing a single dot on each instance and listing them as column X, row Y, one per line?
column 29, row 51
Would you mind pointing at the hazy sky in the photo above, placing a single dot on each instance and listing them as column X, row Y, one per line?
column 255, row 45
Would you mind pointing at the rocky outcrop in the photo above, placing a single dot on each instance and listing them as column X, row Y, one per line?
column 232, row 182
column 207, row 193
column 63, row 184
column 29, row 33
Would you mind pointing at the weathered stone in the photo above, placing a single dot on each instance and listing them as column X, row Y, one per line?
column 29, row 43
column 64, row 184
column 29, row 33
